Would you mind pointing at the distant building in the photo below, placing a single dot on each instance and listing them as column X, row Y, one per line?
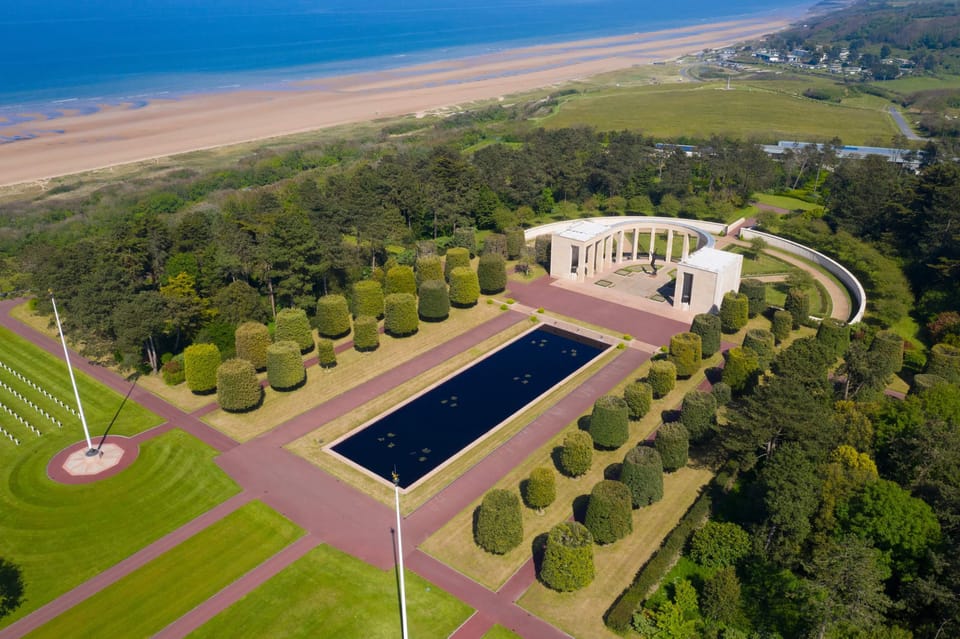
column 900, row 156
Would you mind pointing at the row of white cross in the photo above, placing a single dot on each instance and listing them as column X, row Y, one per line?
column 23, row 378
column 20, row 419
column 15, row 440
column 23, row 399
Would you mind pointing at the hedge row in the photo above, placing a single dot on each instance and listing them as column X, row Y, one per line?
column 620, row 614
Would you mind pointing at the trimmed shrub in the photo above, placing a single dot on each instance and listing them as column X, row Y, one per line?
column 516, row 241
column 400, row 279
column 541, row 250
column 662, row 377
column 173, row 372
column 491, row 274
column 541, row 488
column 890, row 347
column 576, row 456
column 466, row 237
column 238, row 389
column 719, row 544
column 568, row 557
column 326, row 353
column 429, row 267
column 734, row 312
column 200, row 362
column 741, row 370
column 464, row 287
column 925, row 381
column 456, row 257
column 835, row 335
column 285, row 369
column 639, row 397
column 609, row 516
column 722, row 392
column 434, row 301
column 333, row 316
column 756, row 292
column 698, row 414
column 673, row 444
column 499, row 523
column 293, row 326
column 368, row 299
column 366, row 334
column 707, row 326
column 610, row 422
column 761, row 342
column 495, row 244
column 642, row 473
column 782, row 325
column 400, row 317
column 798, row 305
column 944, row 361
column 686, row 353
column 251, row 340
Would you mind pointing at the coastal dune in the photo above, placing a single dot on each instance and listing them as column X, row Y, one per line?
column 117, row 135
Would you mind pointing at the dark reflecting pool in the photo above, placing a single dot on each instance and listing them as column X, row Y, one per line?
column 426, row 432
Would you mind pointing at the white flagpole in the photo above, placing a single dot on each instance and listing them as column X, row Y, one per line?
column 66, row 355
column 403, row 596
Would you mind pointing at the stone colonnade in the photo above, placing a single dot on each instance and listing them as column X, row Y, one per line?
column 598, row 255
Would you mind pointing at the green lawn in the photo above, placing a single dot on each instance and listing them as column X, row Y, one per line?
column 765, row 264
column 499, row 632
column 330, row 594
column 786, row 202
column 704, row 109
column 150, row 598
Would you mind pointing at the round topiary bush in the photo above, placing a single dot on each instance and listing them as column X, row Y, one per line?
column 434, row 301
column 639, row 397
column 400, row 279
column 498, row 526
column 516, row 241
column 333, row 316
column 326, row 353
column 890, row 347
column 944, row 361
column 756, row 292
column 642, row 473
column 610, row 422
column 576, row 455
column 686, row 353
column 173, row 372
column 238, row 389
column 707, row 326
column 719, row 543
column 466, row 237
column 734, row 312
column 698, row 414
column 609, row 517
column 741, row 370
column 798, row 305
column 662, row 377
column 293, row 326
column 251, row 340
column 835, row 335
column 368, row 299
column 761, row 342
column 464, row 287
column 722, row 393
column 457, row 257
column 400, row 317
column 200, row 362
column 925, row 381
column 495, row 244
column 429, row 267
column 285, row 369
column 491, row 274
column 568, row 557
column 673, row 444
column 781, row 325
column 541, row 488
column 366, row 334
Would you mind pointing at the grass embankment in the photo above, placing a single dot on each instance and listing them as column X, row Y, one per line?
column 63, row 535
column 150, row 598
column 750, row 110
column 327, row 593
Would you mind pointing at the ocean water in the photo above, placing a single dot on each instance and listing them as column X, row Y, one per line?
column 79, row 53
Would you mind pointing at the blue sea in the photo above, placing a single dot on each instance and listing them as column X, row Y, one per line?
column 80, row 53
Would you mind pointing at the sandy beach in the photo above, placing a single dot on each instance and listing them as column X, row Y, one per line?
column 119, row 135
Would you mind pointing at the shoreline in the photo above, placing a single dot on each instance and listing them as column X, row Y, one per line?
column 117, row 134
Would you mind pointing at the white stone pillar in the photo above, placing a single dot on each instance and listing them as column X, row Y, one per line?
column 686, row 247
column 669, row 253
column 653, row 240
column 636, row 237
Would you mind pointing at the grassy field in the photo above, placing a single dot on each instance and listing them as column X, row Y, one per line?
column 748, row 111
column 330, row 594
column 499, row 632
column 764, row 264
column 353, row 368
column 786, row 202
column 150, row 598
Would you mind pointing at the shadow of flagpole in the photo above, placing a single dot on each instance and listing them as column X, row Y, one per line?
column 113, row 421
